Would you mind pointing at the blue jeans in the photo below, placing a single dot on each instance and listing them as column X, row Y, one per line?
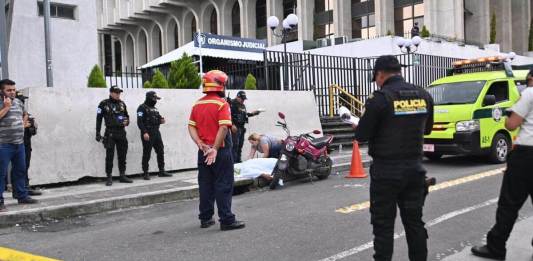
column 14, row 153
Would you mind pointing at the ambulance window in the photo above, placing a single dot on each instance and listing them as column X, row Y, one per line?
column 521, row 85
column 500, row 90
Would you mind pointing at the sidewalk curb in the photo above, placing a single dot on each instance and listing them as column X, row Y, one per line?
column 108, row 204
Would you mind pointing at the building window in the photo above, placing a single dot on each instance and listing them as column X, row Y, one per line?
column 59, row 10
column 176, row 36
column 214, row 22
column 193, row 27
column 236, row 20
column 323, row 19
column 260, row 19
column 406, row 14
column 289, row 7
column 363, row 19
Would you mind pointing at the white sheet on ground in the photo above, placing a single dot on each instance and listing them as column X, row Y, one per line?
column 253, row 168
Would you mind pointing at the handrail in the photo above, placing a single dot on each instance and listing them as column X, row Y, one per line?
column 352, row 103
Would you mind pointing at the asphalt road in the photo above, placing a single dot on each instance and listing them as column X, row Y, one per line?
column 298, row 222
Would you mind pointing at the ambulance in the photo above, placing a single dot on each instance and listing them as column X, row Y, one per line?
column 470, row 109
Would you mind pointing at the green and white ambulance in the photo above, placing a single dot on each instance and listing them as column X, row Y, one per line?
column 470, row 109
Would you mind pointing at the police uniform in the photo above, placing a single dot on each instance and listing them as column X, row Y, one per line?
column 517, row 183
column 148, row 121
column 394, row 123
column 116, row 118
column 239, row 117
column 215, row 180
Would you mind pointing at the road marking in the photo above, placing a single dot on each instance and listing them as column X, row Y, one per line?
column 431, row 223
column 7, row 254
column 439, row 186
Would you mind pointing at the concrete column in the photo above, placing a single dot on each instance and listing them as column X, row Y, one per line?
column 477, row 21
column 384, row 13
column 248, row 19
column 305, row 11
column 274, row 8
column 101, row 50
column 224, row 17
column 113, row 62
column 342, row 18
column 445, row 18
column 504, row 25
column 520, row 22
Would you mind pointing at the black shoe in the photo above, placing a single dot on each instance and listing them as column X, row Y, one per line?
column 232, row 226
column 164, row 174
column 146, row 176
column 28, row 200
column 206, row 224
column 431, row 181
column 32, row 192
column 109, row 181
column 124, row 179
column 484, row 251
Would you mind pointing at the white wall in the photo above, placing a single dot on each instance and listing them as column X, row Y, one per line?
column 65, row 148
column 74, row 45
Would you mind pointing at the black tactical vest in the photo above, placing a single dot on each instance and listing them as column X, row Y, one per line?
column 114, row 113
column 152, row 118
column 238, row 113
column 401, row 133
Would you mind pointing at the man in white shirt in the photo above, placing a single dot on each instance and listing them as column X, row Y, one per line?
column 517, row 183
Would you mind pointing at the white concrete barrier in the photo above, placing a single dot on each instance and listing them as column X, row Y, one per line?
column 65, row 149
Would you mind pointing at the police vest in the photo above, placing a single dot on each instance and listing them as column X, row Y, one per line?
column 152, row 118
column 401, row 132
column 114, row 113
column 238, row 113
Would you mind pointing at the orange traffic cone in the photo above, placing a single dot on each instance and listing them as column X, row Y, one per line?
column 356, row 169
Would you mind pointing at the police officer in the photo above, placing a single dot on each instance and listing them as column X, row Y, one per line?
column 517, row 183
column 395, row 120
column 148, row 120
column 239, row 116
column 115, row 115
column 209, row 126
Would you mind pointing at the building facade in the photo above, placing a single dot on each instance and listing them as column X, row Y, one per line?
column 133, row 32
column 74, row 43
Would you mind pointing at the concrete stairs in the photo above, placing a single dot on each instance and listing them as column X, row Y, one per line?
column 343, row 133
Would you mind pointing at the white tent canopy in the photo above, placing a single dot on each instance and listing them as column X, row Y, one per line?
column 191, row 50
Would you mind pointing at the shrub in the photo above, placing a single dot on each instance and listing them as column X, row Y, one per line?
column 96, row 78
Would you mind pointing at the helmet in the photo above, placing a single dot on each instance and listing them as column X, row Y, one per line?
column 214, row 81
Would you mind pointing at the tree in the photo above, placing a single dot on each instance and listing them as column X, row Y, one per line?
column 493, row 29
column 184, row 74
column 389, row 33
column 147, row 85
column 530, row 44
column 96, row 78
column 250, row 83
column 425, row 32
column 158, row 80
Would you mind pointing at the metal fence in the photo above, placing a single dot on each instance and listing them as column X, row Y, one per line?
column 129, row 78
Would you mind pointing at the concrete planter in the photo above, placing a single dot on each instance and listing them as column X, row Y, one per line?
column 493, row 47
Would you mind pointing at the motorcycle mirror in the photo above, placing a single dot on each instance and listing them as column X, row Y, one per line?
column 281, row 115
column 317, row 132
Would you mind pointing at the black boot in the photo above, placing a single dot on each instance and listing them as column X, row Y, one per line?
column 232, row 226
column 163, row 173
column 124, row 179
column 484, row 251
column 146, row 175
column 109, row 181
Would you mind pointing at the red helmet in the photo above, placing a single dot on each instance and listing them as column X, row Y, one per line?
column 214, row 81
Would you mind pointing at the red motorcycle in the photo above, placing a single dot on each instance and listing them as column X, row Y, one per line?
column 302, row 156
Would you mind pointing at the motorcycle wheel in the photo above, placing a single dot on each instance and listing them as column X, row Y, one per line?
column 275, row 178
column 325, row 174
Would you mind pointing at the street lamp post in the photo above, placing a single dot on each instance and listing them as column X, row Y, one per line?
column 409, row 46
column 289, row 23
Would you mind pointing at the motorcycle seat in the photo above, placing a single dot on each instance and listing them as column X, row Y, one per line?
column 321, row 142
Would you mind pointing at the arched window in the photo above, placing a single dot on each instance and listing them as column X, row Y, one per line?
column 236, row 20
column 260, row 19
column 193, row 27
column 214, row 22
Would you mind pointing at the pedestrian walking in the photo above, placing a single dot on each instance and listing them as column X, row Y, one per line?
column 209, row 126
column 116, row 118
column 517, row 183
column 239, row 117
column 394, row 123
column 12, row 143
column 148, row 121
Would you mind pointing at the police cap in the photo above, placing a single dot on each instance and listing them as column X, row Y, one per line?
column 242, row 95
column 152, row 95
column 386, row 63
column 115, row 88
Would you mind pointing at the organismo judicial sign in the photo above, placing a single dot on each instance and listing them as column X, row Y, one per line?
column 213, row 41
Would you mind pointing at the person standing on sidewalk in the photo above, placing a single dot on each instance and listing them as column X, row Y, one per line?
column 394, row 123
column 12, row 143
column 148, row 121
column 30, row 130
column 239, row 117
column 209, row 126
column 115, row 115
column 517, row 183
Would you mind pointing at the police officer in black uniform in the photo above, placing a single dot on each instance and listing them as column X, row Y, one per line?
column 148, row 120
column 239, row 117
column 395, row 120
column 115, row 115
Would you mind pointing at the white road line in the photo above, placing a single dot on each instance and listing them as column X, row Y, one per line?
column 431, row 223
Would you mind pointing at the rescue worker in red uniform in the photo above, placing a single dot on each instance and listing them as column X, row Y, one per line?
column 209, row 126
